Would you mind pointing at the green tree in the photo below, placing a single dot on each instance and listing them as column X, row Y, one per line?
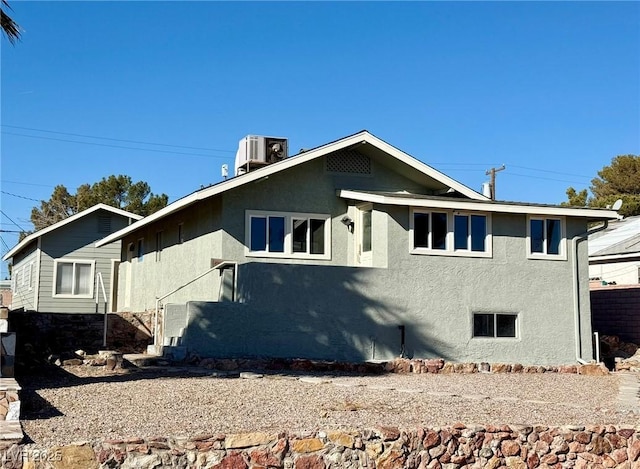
column 576, row 199
column 9, row 27
column 117, row 191
column 619, row 180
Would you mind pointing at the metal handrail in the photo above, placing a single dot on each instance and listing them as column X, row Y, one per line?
column 218, row 266
column 100, row 283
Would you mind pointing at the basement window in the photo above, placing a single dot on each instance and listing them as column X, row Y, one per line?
column 287, row 235
column 495, row 325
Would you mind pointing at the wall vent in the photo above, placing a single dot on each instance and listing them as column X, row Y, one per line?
column 104, row 224
column 348, row 161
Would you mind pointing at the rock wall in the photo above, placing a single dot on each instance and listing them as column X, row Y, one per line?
column 398, row 365
column 616, row 311
column 42, row 334
column 452, row 447
column 9, row 402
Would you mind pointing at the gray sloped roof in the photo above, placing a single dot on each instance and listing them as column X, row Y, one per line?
column 620, row 237
column 22, row 244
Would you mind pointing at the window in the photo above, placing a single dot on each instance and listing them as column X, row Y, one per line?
column 73, row 278
column 546, row 238
column 289, row 235
column 494, row 325
column 450, row 233
column 308, row 236
column 470, row 232
column 16, row 279
column 140, row 249
column 26, row 276
column 362, row 227
column 180, row 233
column 158, row 246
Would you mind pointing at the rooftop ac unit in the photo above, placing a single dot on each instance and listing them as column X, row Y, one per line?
column 256, row 151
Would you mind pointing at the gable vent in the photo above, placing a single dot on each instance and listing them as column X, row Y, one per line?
column 104, row 224
column 348, row 161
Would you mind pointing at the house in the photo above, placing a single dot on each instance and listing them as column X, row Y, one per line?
column 614, row 253
column 5, row 293
column 355, row 251
column 58, row 269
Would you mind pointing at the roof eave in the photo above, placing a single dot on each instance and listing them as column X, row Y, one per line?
column 484, row 206
column 308, row 155
column 33, row 236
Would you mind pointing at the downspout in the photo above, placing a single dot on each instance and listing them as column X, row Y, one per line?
column 576, row 287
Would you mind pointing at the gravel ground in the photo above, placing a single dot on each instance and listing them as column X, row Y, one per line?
column 83, row 403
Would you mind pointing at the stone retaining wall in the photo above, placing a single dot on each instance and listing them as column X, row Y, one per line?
column 452, row 447
column 399, row 365
column 9, row 399
column 43, row 334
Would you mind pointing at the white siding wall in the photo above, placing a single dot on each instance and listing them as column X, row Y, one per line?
column 24, row 279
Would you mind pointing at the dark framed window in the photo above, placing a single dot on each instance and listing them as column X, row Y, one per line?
column 158, row 246
column 290, row 235
column 546, row 236
column 495, row 325
column 451, row 232
column 366, row 230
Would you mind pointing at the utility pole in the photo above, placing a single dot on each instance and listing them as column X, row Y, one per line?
column 492, row 172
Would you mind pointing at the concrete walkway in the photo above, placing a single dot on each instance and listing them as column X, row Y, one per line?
column 629, row 394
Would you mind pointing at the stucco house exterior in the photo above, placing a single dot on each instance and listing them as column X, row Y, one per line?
column 614, row 253
column 57, row 269
column 354, row 250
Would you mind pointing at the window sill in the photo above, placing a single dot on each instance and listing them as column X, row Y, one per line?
column 285, row 255
column 435, row 252
column 506, row 339
column 547, row 257
column 82, row 297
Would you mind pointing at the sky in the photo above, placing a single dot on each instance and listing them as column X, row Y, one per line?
column 164, row 91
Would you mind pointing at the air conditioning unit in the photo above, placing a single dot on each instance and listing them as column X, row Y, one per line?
column 256, row 151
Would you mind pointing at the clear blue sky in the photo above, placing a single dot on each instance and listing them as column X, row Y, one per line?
column 551, row 89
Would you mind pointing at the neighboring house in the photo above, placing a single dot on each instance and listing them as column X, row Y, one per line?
column 58, row 268
column 5, row 293
column 614, row 253
column 355, row 250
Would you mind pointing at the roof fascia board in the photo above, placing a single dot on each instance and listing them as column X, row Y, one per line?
column 424, row 168
column 301, row 158
column 614, row 257
column 18, row 247
column 457, row 204
column 235, row 182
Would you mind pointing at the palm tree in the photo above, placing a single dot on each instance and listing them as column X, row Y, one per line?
column 9, row 27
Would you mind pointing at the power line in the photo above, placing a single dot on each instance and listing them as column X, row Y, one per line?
column 544, row 178
column 461, row 164
column 9, row 218
column 26, row 183
column 6, row 247
column 19, row 196
column 115, row 139
column 118, row 146
column 549, row 171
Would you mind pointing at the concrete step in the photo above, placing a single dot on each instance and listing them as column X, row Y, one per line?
column 10, row 433
column 142, row 360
